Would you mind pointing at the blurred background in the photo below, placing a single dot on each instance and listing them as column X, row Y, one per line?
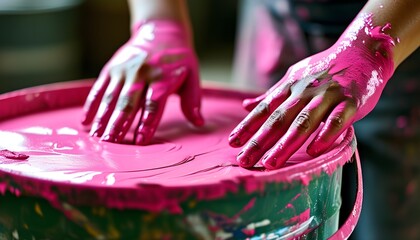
column 46, row 41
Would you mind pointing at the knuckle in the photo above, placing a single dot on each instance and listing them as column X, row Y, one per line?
column 275, row 119
column 125, row 104
column 144, row 70
column 351, row 103
column 262, row 108
column 151, row 106
column 253, row 143
column 95, row 93
column 108, row 97
column 242, row 128
column 336, row 122
column 303, row 122
column 334, row 88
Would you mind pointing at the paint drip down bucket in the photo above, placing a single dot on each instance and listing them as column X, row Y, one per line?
column 185, row 185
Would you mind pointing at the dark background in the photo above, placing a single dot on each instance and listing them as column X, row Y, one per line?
column 41, row 44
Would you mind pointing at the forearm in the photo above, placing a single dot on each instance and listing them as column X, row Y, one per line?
column 404, row 17
column 176, row 10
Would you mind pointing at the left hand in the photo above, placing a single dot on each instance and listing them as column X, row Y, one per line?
column 156, row 62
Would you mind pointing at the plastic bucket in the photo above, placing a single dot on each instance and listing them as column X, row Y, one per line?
column 74, row 186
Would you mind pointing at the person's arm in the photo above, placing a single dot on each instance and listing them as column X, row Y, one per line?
column 336, row 87
column 175, row 10
column 157, row 61
column 404, row 18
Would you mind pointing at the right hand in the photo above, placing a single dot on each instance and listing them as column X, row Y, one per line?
column 338, row 86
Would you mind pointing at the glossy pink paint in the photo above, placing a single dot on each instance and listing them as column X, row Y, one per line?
column 337, row 86
column 183, row 162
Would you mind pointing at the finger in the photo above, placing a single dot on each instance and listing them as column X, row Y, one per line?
column 270, row 132
column 339, row 120
column 305, row 123
column 107, row 106
column 128, row 102
column 125, row 111
column 255, row 119
column 190, row 94
column 250, row 125
column 155, row 101
column 251, row 103
column 95, row 96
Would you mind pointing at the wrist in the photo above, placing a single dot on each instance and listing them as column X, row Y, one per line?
column 160, row 10
column 372, row 43
column 169, row 31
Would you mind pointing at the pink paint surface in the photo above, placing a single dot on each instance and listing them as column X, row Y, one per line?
column 182, row 161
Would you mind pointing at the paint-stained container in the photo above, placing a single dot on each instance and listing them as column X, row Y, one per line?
column 185, row 185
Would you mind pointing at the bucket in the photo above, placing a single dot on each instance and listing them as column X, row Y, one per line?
column 185, row 185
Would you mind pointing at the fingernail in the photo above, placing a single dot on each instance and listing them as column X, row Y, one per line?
column 314, row 149
column 235, row 142
column 239, row 154
column 139, row 139
column 311, row 151
column 246, row 102
column 198, row 118
column 233, row 136
column 95, row 133
column 199, row 122
column 109, row 138
column 95, row 129
column 84, row 120
column 105, row 138
column 243, row 160
column 236, row 138
column 269, row 163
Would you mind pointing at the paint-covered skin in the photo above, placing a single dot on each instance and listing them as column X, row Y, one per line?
column 156, row 62
column 337, row 86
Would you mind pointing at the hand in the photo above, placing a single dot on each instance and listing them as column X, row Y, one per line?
column 337, row 86
column 156, row 61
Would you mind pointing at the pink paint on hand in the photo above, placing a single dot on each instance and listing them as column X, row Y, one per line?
column 157, row 61
column 330, row 90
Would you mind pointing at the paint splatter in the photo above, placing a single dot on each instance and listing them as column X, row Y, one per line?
column 13, row 155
